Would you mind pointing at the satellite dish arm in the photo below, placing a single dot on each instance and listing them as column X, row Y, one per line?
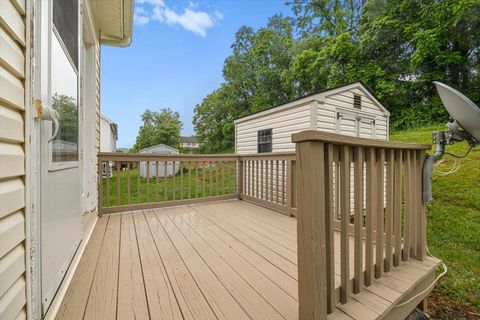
column 440, row 141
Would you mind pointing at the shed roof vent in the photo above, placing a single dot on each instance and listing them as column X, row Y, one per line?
column 357, row 101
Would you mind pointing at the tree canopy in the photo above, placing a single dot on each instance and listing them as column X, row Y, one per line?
column 396, row 47
column 162, row 126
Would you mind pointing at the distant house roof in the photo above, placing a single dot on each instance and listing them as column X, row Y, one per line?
column 124, row 150
column 159, row 147
column 191, row 139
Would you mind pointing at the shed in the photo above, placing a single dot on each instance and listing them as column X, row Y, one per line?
column 350, row 109
column 160, row 165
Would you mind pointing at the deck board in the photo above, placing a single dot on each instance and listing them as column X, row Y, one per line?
column 219, row 260
column 132, row 301
column 102, row 302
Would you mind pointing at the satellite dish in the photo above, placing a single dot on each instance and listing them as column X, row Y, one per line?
column 461, row 109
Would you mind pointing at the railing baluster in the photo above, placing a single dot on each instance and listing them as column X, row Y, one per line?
column 370, row 161
column 261, row 180
column 210, row 191
column 407, row 207
column 139, row 199
column 181, row 179
column 345, row 221
column 380, row 194
column 329, row 241
column 107, row 177
column 174, row 178
column 413, row 205
column 203, row 170
column 165, row 180
column 157, row 166
column 189, row 179
column 148, row 181
column 129, row 200
column 196, row 179
column 358, row 219
column 257, row 179
column 216, row 177
column 397, row 207
column 119, row 200
column 223, row 177
column 277, row 181
column 390, row 157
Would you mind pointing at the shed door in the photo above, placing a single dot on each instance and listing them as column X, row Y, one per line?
column 346, row 124
column 355, row 125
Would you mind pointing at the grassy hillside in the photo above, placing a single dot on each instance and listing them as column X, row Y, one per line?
column 454, row 225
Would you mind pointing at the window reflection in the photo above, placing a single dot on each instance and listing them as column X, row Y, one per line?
column 64, row 100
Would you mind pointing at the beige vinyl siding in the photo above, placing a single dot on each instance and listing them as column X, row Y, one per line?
column 12, row 158
column 283, row 124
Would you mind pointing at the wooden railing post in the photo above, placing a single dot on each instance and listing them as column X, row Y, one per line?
column 100, row 186
column 311, row 239
column 240, row 178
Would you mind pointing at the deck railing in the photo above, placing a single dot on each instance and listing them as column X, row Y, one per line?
column 135, row 181
column 384, row 223
column 269, row 180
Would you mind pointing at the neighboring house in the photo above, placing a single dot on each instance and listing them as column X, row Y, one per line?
column 49, row 139
column 349, row 109
column 108, row 139
column 108, row 135
column 190, row 142
column 159, row 167
column 123, row 150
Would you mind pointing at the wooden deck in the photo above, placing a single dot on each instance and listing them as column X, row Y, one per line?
column 219, row 260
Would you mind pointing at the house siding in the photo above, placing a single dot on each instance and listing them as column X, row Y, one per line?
column 12, row 157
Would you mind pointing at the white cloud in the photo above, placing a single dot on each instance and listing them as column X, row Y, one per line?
column 190, row 19
column 140, row 16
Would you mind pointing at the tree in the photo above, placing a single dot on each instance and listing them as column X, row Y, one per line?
column 396, row 47
column 163, row 126
column 67, row 109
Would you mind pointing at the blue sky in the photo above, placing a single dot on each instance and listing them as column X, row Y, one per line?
column 175, row 59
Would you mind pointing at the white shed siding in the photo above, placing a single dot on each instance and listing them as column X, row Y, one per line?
column 283, row 124
column 12, row 159
column 302, row 115
column 343, row 101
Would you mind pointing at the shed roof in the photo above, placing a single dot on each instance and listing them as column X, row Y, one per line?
column 319, row 96
column 152, row 148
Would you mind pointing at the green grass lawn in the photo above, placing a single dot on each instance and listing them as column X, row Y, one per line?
column 453, row 230
column 197, row 188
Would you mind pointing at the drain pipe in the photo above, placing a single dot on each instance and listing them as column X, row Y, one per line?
column 439, row 140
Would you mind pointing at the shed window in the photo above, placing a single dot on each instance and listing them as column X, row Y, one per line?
column 357, row 101
column 265, row 141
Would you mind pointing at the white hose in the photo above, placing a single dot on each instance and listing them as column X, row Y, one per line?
column 445, row 269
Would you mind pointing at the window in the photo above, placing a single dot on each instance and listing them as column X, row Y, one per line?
column 357, row 101
column 64, row 79
column 65, row 20
column 265, row 141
